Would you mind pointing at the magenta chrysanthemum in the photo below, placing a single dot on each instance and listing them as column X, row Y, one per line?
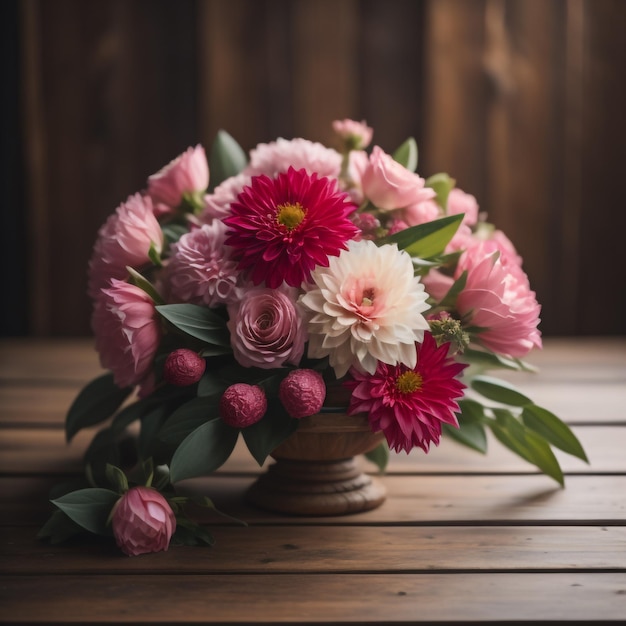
column 283, row 227
column 410, row 404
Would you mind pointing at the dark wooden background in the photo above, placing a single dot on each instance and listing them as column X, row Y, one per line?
column 522, row 101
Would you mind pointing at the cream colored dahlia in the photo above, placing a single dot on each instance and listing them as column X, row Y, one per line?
column 365, row 307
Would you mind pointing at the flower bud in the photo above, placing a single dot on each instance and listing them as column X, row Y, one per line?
column 242, row 405
column 142, row 521
column 302, row 392
column 183, row 367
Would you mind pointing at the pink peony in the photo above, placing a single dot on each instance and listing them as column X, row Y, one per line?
column 183, row 367
column 127, row 332
column 142, row 521
column 242, row 405
column 302, row 392
column 498, row 300
column 389, row 185
column 410, row 404
column 278, row 156
column 356, row 135
column 365, row 307
column 188, row 174
column 282, row 228
column 200, row 270
column 124, row 239
column 266, row 328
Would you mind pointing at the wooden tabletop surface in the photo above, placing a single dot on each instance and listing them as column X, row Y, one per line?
column 462, row 538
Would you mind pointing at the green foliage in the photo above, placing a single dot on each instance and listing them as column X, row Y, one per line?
column 89, row 508
column 199, row 322
column 269, row 432
column 188, row 417
column 226, row 159
column 203, row 450
column 499, row 391
column 428, row 240
column 406, row 154
column 96, row 402
column 379, row 456
column 442, row 184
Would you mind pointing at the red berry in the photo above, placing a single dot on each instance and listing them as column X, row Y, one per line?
column 242, row 405
column 302, row 392
column 183, row 367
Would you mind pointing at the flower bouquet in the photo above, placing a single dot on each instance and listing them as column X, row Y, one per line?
column 292, row 281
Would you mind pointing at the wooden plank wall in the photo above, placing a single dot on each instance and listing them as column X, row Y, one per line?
column 520, row 100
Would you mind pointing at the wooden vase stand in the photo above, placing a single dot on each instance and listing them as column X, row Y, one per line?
column 316, row 488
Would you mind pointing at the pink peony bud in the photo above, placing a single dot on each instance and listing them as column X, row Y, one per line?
column 143, row 521
column 183, row 367
column 242, row 405
column 302, row 392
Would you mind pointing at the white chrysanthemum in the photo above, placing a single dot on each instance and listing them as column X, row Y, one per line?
column 365, row 307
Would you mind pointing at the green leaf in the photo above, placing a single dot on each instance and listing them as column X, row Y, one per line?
column 490, row 360
column 552, row 429
column 449, row 300
column 97, row 401
column 526, row 443
column 143, row 283
column 471, row 435
column 499, row 391
column 197, row 321
column 442, row 184
column 406, row 154
column 269, row 432
column 226, row 159
column 379, row 456
column 117, row 479
column 426, row 240
column 188, row 417
column 59, row 528
column 174, row 231
column 211, row 385
column 189, row 533
column 204, row 450
column 89, row 508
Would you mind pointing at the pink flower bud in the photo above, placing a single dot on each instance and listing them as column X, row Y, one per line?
column 183, row 367
column 143, row 521
column 302, row 392
column 242, row 405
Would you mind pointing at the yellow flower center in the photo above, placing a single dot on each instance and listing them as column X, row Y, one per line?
column 290, row 215
column 368, row 297
column 409, row 382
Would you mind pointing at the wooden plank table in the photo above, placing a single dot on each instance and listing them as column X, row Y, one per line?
column 461, row 539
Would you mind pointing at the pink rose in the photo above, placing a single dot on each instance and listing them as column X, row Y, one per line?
column 127, row 332
column 389, row 185
column 421, row 212
column 142, row 521
column 500, row 302
column 356, row 135
column 188, row 173
column 266, row 328
column 124, row 239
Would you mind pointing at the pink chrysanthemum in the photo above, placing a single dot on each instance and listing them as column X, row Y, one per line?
column 410, row 404
column 200, row 270
column 283, row 227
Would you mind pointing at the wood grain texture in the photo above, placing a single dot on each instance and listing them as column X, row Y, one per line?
column 295, row 598
column 460, row 539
